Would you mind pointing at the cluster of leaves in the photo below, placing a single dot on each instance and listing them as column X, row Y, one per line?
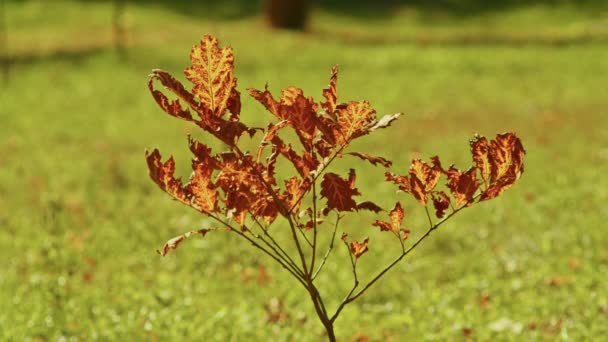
column 240, row 191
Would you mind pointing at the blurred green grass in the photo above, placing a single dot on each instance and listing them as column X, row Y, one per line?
column 81, row 220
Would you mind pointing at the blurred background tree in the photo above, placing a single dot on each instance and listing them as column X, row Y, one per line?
column 287, row 14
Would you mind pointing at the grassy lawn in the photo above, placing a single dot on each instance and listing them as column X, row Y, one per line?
column 80, row 220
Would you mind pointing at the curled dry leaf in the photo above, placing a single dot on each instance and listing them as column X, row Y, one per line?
column 441, row 202
column 176, row 241
column 374, row 160
column 420, row 181
column 396, row 215
column 359, row 248
column 500, row 162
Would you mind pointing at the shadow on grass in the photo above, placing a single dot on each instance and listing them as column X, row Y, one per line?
column 363, row 9
column 463, row 39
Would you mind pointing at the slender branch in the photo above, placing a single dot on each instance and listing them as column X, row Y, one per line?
column 274, row 246
column 279, row 203
column 428, row 215
column 329, row 249
column 351, row 297
column 319, row 172
column 255, row 244
column 314, row 224
column 345, row 301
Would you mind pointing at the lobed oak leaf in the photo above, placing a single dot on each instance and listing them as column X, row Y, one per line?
column 203, row 191
column 299, row 111
column 173, row 108
column 304, row 164
column 505, row 157
column 421, row 181
column 211, row 74
column 354, row 120
column 463, row 185
column 359, row 248
column 374, row 160
column 441, row 202
column 331, row 94
column 479, row 149
column 339, row 192
column 295, row 190
column 396, row 215
column 162, row 174
column 271, row 132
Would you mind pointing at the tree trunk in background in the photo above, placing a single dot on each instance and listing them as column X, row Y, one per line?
column 119, row 32
column 287, row 14
column 4, row 57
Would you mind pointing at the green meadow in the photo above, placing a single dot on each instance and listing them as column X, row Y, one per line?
column 80, row 220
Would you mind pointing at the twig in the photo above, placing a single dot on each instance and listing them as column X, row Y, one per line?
column 329, row 249
column 403, row 254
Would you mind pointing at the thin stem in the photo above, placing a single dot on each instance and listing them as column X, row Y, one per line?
column 286, row 256
column 283, row 256
column 353, row 263
column 351, row 297
column 279, row 203
column 314, row 224
column 255, row 244
column 319, row 172
column 428, row 215
column 329, row 249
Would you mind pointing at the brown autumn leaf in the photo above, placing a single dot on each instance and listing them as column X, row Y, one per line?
column 462, row 185
column 385, row 121
column 396, row 215
column 421, row 180
column 204, row 193
column 173, row 108
column 331, row 93
column 304, row 164
column 359, row 248
column 211, row 74
column 502, row 162
column 354, row 120
column 339, row 192
column 162, row 174
column 441, row 202
column 374, row 160
column 368, row 205
column 176, row 241
column 299, row 111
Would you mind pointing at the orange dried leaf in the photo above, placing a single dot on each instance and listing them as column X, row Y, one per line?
column 479, row 150
column 421, row 181
column 204, row 193
column 299, row 111
column 176, row 241
column 331, row 93
column 396, row 215
column 359, row 248
column 441, row 202
column 212, row 75
column 463, row 185
column 505, row 156
column 354, row 120
column 162, row 174
column 339, row 192
column 173, row 108
column 374, row 160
